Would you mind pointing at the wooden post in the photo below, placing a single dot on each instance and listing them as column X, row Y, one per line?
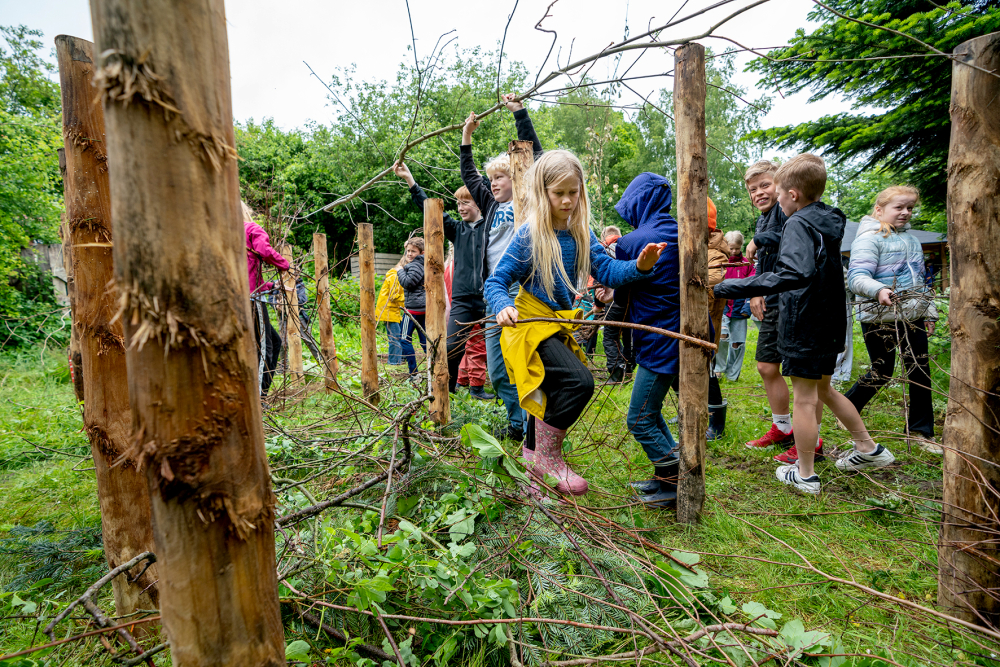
column 692, row 216
column 436, row 320
column 968, row 552
column 293, row 335
column 181, row 270
column 75, row 358
column 522, row 156
column 126, row 516
column 369, row 370
column 327, row 344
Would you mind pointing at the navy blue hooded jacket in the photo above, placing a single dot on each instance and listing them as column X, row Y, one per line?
column 655, row 301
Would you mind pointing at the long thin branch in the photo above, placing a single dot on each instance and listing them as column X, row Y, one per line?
column 625, row 46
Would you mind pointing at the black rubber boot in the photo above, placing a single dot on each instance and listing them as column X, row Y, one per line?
column 716, row 421
column 665, row 495
column 480, row 393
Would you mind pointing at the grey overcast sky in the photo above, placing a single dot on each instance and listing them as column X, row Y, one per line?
column 268, row 42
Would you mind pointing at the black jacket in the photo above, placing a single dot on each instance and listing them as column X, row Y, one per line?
column 411, row 277
column 479, row 188
column 767, row 239
column 810, row 280
column 468, row 239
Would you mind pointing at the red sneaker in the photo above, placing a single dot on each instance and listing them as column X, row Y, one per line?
column 792, row 455
column 772, row 437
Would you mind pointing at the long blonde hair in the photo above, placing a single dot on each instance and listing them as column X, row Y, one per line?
column 883, row 199
column 546, row 255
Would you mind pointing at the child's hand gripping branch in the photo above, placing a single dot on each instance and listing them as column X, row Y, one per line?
column 470, row 126
column 511, row 102
column 645, row 263
column 403, row 172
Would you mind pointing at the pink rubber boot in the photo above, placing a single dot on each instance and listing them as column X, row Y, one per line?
column 548, row 460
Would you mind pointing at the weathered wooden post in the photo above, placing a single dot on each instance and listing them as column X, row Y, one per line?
column 181, row 270
column 366, row 261
column 692, row 217
column 126, row 516
column 75, row 359
column 436, row 320
column 522, row 156
column 968, row 553
column 293, row 335
column 327, row 344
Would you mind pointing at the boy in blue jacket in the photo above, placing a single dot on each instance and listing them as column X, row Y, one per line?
column 655, row 301
column 811, row 330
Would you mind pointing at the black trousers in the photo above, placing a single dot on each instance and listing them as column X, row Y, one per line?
column 463, row 309
column 568, row 387
column 881, row 340
column 618, row 342
column 268, row 345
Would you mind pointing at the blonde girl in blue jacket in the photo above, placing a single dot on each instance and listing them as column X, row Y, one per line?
column 895, row 307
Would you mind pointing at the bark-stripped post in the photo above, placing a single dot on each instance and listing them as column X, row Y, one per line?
column 75, row 360
column 366, row 261
column 327, row 344
column 181, row 270
column 436, row 322
column 692, row 216
column 126, row 517
column 968, row 553
column 522, row 156
column 293, row 334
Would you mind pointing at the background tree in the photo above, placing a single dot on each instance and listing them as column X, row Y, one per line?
column 908, row 137
column 30, row 184
column 730, row 118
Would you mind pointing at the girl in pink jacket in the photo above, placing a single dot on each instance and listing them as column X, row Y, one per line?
column 268, row 341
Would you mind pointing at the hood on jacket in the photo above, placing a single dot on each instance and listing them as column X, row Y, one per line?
column 870, row 224
column 825, row 219
column 646, row 200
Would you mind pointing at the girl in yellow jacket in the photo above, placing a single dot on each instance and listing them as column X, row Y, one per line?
column 387, row 309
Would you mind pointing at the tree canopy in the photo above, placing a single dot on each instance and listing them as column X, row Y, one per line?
column 30, row 183
column 909, row 86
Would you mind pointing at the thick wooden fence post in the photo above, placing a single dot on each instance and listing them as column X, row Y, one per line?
column 181, row 270
column 293, row 335
column 75, row 358
column 327, row 344
column 126, row 516
column 969, row 553
column 366, row 262
column 692, row 216
column 436, row 322
column 522, row 156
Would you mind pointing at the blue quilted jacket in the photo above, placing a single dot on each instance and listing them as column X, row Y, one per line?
column 895, row 261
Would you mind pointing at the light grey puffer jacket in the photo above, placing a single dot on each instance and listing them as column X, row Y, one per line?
column 895, row 261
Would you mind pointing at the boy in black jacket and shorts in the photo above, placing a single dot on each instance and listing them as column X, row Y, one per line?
column 809, row 278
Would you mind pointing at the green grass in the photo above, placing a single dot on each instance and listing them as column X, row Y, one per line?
column 888, row 546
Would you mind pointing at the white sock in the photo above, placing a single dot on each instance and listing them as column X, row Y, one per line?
column 783, row 422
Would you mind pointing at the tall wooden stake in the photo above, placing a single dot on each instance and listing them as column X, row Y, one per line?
column 126, row 516
column 181, row 270
column 293, row 335
column 369, row 370
column 692, row 216
column 522, row 157
column 968, row 553
column 327, row 344
column 75, row 358
column 436, row 320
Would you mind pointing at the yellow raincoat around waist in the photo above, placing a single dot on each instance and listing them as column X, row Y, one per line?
column 520, row 348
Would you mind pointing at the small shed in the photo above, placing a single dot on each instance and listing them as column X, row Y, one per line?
column 935, row 252
column 383, row 262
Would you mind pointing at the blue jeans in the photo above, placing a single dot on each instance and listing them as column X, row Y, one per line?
column 409, row 323
column 645, row 418
column 502, row 385
column 395, row 331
